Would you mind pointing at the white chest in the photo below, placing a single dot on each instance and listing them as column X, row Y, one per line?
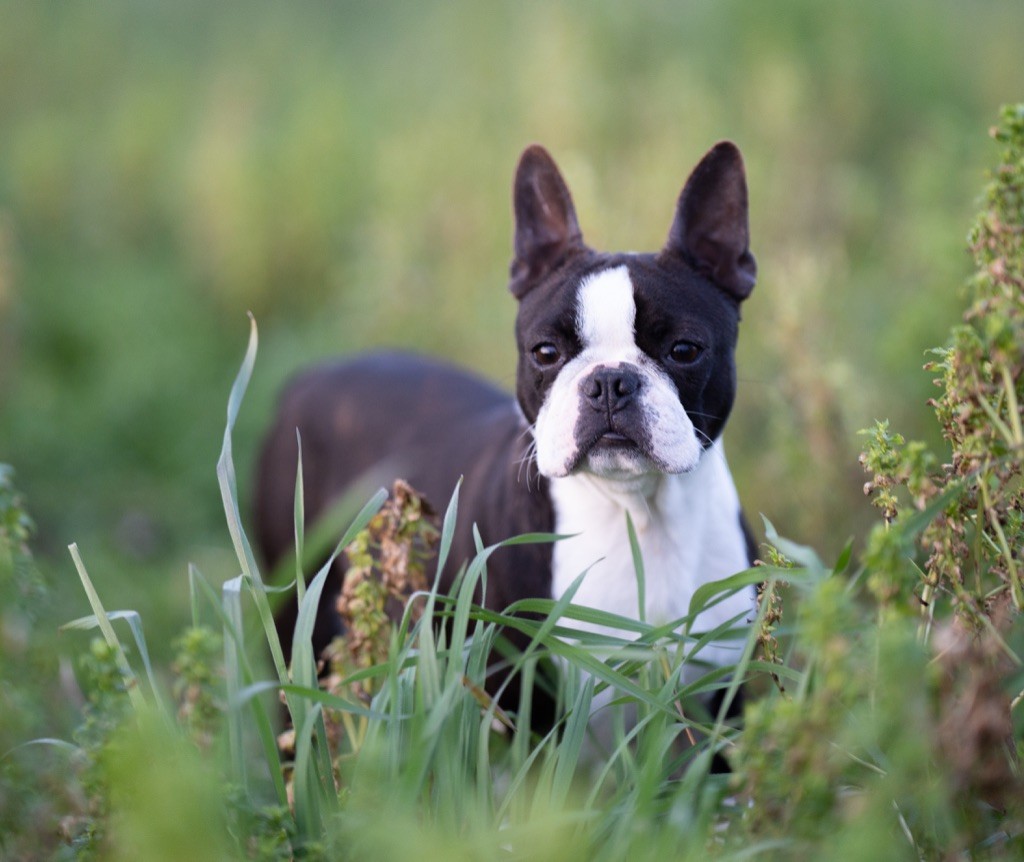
column 688, row 530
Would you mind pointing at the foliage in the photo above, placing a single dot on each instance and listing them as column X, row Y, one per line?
column 431, row 744
column 34, row 791
column 342, row 170
column 974, row 538
column 892, row 730
column 901, row 740
column 881, row 738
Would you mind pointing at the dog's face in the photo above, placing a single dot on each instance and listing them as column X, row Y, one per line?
column 626, row 360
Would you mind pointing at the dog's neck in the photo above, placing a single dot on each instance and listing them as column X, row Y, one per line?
column 688, row 532
column 646, row 497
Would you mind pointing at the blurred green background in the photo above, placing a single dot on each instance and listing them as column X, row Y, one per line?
column 342, row 170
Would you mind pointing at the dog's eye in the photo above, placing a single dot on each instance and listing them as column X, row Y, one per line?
column 546, row 354
column 685, row 352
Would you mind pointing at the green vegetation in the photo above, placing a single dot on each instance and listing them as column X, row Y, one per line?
column 889, row 723
column 343, row 173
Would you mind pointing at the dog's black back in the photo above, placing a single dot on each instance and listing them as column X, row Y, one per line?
column 347, row 413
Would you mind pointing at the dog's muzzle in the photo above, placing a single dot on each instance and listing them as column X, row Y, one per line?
column 610, row 415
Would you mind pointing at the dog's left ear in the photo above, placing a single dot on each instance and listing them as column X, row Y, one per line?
column 546, row 227
column 710, row 230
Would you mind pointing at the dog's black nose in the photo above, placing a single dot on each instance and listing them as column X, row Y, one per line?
column 611, row 389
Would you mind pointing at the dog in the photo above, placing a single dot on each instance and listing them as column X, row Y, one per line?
column 625, row 378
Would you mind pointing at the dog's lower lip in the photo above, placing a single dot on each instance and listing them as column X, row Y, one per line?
column 614, row 437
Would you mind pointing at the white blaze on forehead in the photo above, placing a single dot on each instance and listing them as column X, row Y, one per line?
column 605, row 324
column 606, row 311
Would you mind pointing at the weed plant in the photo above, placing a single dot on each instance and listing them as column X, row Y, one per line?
column 887, row 723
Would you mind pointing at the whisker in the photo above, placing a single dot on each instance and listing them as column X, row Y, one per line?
column 710, row 441
column 525, row 461
column 703, row 415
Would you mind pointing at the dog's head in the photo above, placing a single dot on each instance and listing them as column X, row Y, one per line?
column 626, row 360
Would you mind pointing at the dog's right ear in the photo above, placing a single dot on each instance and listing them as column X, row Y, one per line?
column 546, row 226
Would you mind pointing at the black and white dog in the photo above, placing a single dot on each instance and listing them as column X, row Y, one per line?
column 626, row 376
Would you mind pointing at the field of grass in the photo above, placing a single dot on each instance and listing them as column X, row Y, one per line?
column 343, row 173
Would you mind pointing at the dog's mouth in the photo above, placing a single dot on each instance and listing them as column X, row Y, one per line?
column 611, row 450
column 614, row 439
column 609, row 437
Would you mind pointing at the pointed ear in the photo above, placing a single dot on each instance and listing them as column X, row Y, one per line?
column 546, row 226
column 710, row 230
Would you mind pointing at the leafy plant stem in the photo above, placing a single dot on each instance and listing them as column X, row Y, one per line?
column 1011, row 564
column 1012, row 406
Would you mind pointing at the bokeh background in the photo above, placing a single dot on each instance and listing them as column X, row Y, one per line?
column 343, row 169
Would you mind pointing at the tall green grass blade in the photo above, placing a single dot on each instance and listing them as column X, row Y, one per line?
column 638, row 568
column 103, row 621
column 527, row 671
column 234, row 679
column 134, row 621
column 621, row 759
column 844, row 559
column 514, row 804
column 315, row 695
column 604, row 672
column 730, row 630
column 299, row 518
column 303, row 660
column 238, row 675
column 607, row 619
column 535, row 539
column 226, row 466
column 308, row 796
column 460, row 620
column 803, row 555
column 45, row 741
column 230, row 625
column 739, row 675
column 448, row 530
column 571, row 744
column 547, row 626
column 193, row 594
column 917, row 520
column 229, row 496
column 781, row 670
column 709, row 594
column 429, row 671
column 319, row 538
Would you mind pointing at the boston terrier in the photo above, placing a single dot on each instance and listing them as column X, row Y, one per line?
column 624, row 382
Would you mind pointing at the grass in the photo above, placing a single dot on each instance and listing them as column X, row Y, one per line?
column 888, row 717
column 431, row 744
column 887, row 724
